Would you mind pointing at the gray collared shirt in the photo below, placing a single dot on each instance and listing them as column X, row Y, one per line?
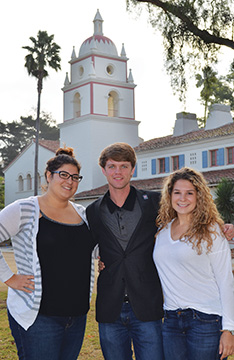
column 122, row 221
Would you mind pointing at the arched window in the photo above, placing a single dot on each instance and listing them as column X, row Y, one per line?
column 77, row 105
column 29, row 182
column 113, row 104
column 21, row 183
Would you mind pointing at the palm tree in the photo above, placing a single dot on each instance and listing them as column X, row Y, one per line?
column 207, row 81
column 225, row 199
column 44, row 52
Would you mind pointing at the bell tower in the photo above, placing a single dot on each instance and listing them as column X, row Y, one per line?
column 99, row 104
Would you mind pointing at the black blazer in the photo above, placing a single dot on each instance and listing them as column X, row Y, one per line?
column 134, row 266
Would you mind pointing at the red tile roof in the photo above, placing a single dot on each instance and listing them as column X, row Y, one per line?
column 214, row 177
column 192, row 136
column 52, row 145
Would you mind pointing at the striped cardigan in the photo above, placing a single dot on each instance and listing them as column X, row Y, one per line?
column 19, row 221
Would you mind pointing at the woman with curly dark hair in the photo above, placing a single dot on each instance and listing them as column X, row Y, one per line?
column 194, row 265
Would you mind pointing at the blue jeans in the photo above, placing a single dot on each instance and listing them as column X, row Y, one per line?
column 116, row 338
column 49, row 338
column 191, row 335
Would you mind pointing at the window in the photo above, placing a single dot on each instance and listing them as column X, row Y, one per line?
column 161, row 165
column 110, row 69
column 164, row 165
column 144, row 165
column 193, row 158
column 81, row 71
column 204, row 159
column 153, row 166
column 21, row 183
column 213, row 157
column 77, row 105
column 113, row 103
column 175, row 163
column 29, row 182
column 230, row 155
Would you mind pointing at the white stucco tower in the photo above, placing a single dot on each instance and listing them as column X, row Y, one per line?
column 99, row 104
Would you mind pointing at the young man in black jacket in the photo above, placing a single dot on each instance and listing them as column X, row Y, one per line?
column 129, row 296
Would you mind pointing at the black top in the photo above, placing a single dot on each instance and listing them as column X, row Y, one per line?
column 64, row 252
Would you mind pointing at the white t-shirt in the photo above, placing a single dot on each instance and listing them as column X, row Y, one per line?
column 202, row 282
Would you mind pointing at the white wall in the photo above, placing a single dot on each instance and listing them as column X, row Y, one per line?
column 126, row 100
column 89, row 136
column 84, row 91
column 23, row 165
column 119, row 66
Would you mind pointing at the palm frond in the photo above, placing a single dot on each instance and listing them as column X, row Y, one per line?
column 225, row 199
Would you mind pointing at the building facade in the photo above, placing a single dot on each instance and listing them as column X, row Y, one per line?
column 209, row 150
column 99, row 109
column 19, row 174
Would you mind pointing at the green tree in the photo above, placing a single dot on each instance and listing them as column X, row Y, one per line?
column 215, row 89
column 225, row 199
column 43, row 53
column 15, row 135
column 225, row 92
column 193, row 32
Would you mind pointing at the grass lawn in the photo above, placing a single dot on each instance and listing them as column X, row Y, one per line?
column 90, row 349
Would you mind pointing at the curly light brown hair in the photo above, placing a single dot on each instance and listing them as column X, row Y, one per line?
column 204, row 216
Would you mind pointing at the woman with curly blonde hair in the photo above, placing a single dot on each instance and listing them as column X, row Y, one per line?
column 194, row 265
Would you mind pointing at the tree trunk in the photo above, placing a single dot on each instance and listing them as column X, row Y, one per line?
column 37, row 142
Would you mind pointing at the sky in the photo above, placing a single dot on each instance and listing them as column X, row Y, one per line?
column 71, row 22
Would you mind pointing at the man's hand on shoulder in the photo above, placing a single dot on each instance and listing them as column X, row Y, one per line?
column 228, row 230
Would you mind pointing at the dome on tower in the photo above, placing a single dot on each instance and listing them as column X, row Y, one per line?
column 98, row 42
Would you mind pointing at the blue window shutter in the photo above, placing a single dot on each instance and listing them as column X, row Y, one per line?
column 135, row 172
column 204, row 159
column 153, row 166
column 167, row 165
column 181, row 161
column 220, row 157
